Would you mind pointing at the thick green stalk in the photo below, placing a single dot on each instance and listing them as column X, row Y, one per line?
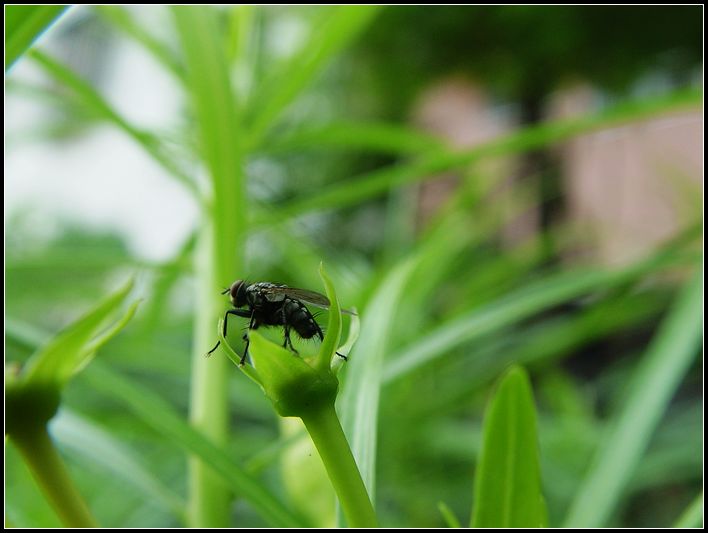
column 327, row 434
column 209, row 497
column 48, row 469
column 219, row 253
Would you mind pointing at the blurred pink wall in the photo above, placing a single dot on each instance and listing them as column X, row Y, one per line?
column 626, row 189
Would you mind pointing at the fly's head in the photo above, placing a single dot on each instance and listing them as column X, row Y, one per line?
column 237, row 293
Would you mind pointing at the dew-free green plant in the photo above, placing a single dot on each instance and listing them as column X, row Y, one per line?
column 307, row 389
column 444, row 309
column 33, row 397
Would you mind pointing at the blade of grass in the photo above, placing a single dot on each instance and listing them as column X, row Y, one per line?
column 511, row 308
column 89, row 442
column 72, row 349
column 357, row 189
column 91, row 99
column 693, row 515
column 122, row 19
column 552, row 339
column 654, row 382
column 450, row 519
column 359, row 399
column 507, row 489
column 23, row 25
column 159, row 414
column 379, row 137
column 327, row 38
column 219, row 255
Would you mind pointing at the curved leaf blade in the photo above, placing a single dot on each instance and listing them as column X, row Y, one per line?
column 508, row 478
column 359, row 399
column 73, row 348
column 159, row 414
column 653, row 384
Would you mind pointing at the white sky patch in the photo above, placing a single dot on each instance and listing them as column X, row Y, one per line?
column 102, row 180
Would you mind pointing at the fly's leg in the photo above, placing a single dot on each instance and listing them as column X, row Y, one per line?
column 286, row 327
column 321, row 336
column 253, row 324
column 213, row 349
column 289, row 341
column 237, row 312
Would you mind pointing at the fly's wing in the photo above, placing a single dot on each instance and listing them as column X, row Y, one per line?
column 310, row 297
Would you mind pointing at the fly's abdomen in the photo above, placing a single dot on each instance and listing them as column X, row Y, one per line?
column 301, row 320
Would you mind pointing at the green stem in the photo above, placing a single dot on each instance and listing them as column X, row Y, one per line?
column 209, row 497
column 221, row 243
column 327, row 434
column 52, row 476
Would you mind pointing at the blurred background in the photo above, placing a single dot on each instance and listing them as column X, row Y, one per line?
column 581, row 130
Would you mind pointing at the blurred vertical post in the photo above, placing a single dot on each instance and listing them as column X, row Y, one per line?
column 219, row 250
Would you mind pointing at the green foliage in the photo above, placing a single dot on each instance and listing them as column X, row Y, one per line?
column 655, row 381
column 23, row 25
column 163, row 418
column 33, row 392
column 307, row 389
column 507, row 489
column 32, row 397
column 284, row 143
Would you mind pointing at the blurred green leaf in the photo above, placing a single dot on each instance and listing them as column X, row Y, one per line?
column 156, row 412
column 653, row 383
column 92, row 443
column 450, row 519
column 359, row 399
column 507, row 489
column 355, row 190
column 122, row 19
column 334, row 326
column 327, row 37
column 543, row 294
column 379, row 137
column 91, row 99
column 73, row 348
column 693, row 515
column 23, row 25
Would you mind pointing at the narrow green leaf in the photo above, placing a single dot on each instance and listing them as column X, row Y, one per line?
column 160, row 415
column 346, row 348
column 92, row 100
column 650, row 390
column 450, row 519
column 122, row 19
column 92, row 443
column 693, row 515
column 511, row 308
column 359, row 399
column 334, row 326
column 73, row 348
column 508, row 478
column 379, row 137
column 23, row 25
column 327, row 38
column 357, row 189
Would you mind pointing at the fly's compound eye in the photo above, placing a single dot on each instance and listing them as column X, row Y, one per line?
column 236, row 294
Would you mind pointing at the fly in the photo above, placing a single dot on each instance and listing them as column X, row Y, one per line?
column 268, row 304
